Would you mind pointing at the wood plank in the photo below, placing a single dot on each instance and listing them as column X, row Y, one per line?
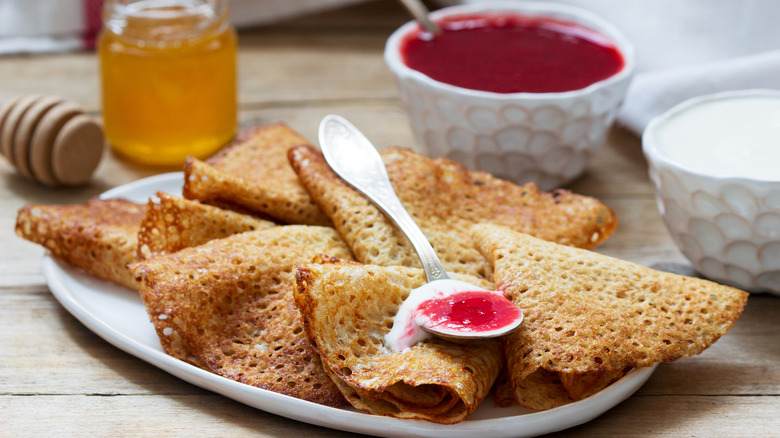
column 618, row 168
column 203, row 415
column 649, row 416
column 208, row 416
column 45, row 350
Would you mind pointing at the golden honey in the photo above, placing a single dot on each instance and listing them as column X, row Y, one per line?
column 168, row 73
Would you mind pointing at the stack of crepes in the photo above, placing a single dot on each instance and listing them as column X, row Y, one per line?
column 275, row 273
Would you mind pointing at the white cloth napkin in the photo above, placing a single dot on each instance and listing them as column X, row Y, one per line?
column 653, row 92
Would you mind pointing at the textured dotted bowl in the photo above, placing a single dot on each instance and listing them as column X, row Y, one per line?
column 727, row 227
column 547, row 138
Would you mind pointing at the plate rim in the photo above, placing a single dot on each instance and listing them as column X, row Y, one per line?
column 531, row 424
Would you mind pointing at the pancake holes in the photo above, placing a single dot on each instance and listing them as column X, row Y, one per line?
column 598, row 360
column 468, row 370
column 346, row 371
column 341, row 357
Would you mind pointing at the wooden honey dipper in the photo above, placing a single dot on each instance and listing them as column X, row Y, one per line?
column 50, row 140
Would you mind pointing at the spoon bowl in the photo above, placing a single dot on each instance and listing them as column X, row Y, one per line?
column 352, row 156
column 459, row 334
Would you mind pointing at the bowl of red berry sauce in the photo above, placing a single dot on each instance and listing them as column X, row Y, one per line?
column 524, row 90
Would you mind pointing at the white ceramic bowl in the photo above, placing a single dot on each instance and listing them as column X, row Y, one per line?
column 547, row 138
column 727, row 226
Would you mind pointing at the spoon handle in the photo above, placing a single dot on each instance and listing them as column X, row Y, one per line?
column 420, row 13
column 356, row 160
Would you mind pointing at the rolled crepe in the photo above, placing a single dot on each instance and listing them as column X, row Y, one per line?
column 348, row 308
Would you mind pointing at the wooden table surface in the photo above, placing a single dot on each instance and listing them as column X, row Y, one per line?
column 57, row 378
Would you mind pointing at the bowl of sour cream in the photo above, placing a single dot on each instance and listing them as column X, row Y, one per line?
column 523, row 90
column 714, row 162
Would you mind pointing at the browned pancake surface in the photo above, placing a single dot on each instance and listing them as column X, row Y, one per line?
column 348, row 309
column 589, row 313
column 99, row 236
column 253, row 174
column 228, row 305
column 175, row 223
column 445, row 200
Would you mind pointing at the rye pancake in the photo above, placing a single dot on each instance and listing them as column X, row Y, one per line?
column 348, row 308
column 253, row 175
column 175, row 223
column 228, row 306
column 99, row 237
column 587, row 313
column 445, row 200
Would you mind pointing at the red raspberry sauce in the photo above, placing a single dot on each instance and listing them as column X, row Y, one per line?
column 471, row 311
column 512, row 53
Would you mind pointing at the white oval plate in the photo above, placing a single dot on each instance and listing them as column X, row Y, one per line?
column 117, row 315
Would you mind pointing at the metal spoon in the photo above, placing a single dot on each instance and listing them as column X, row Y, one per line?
column 352, row 156
column 420, row 13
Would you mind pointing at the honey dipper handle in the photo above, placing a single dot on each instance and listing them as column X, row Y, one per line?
column 356, row 160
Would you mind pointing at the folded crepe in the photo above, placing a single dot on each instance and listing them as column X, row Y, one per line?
column 445, row 200
column 227, row 306
column 102, row 236
column 348, row 308
column 175, row 223
column 253, row 175
column 589, row 317
column 99, row 237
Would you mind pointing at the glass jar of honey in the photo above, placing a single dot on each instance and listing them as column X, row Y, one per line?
column 168, row 70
